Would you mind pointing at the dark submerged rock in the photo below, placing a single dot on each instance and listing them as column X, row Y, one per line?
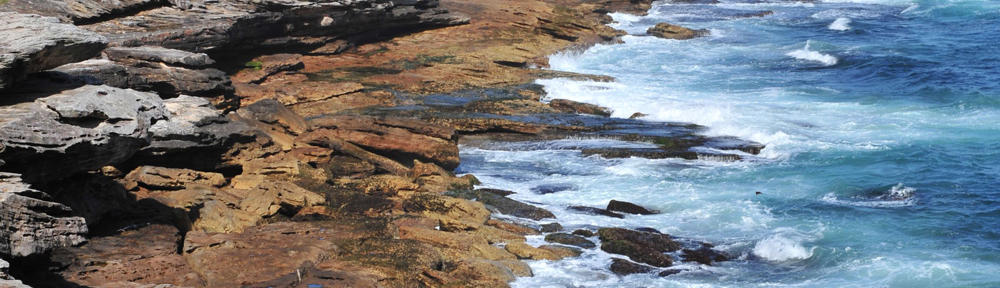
column 669, row 272
column 596, row 211
column 551, row 188
column 624, row 267
column 704, row 255
column 626, row 207
column 569, row 239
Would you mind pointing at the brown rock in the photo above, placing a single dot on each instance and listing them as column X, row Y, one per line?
column 512, row 227
column 670, row 31
column 143, row 256
column 410, row 139
column 643, row 247
column 161, row 178
column 261, row 67
column 570, row 106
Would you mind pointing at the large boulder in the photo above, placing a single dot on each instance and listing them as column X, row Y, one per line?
column 78, row 11
column 670, row 31
column 640, row 246
column 31, row 224
column 32, row 43
column 76, row 130
column 159, row 77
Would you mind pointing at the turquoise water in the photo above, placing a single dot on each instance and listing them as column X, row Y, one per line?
column 882, row 121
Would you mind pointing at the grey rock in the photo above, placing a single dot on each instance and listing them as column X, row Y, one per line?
column 76, row 130
column 193, row 122
column 31, row 224
column 627, row 207
column 147, row 76
column 78, row 11
column 570, row 239
column 158, row 54
column 246, row 25
column 32, row 43
column 624, row 267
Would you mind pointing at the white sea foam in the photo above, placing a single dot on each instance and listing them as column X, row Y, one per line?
column 841, row 24
column 781, row 248
column 806, row 54
column 897, row 196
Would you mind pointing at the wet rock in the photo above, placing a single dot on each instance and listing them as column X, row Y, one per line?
column 551, row 227
column 626, row 207
column 583, row 232
column 569, row 239
column 570, row 106
column 642, row 247
column 648, row 229
column 637, row 115
column 148, row 255
column 670, row 31
column 669, row 272
column 704, row 255
column 551, row 188
column 504, row 205
column 596, row 211
column 32, row 224
column 77, row 130
column 624, row 267
column 32, row 43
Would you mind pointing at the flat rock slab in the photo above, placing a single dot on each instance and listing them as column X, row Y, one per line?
column 32, row 43
column 30, row 223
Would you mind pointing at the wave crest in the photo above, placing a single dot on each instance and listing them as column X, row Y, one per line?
column 841, row 24
column 810, row 55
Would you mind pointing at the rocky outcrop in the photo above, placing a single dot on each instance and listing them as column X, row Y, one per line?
column 670, row 31
column 631, row 208
column 401, row 138
column 208, row 25
column 76, row 130
column 642, row 247
column 595, row 211
column 31, row 224
column 32, row 43
column 151, row 69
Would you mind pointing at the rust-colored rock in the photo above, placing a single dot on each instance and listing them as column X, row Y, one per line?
column 670, row 31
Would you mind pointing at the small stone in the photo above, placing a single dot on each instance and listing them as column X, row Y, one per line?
column 624, row 267
column 596, row 211
column 583, row 232
column 626, row 207
column 551, row 227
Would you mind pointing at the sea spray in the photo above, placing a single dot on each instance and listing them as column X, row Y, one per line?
column 841, row 24
column 806, row 54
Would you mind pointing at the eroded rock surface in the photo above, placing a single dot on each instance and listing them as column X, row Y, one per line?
column 31, row 223
column 32, row 43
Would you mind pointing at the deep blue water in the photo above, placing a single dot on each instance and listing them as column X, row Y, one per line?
column 882, row 120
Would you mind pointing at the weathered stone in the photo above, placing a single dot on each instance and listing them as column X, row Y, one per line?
column 624, row 267
column 569, row 239
column 193, row 123
column 147, row 76
column 158, row 54
column 545, row 252
column 160, row 178
column 77, row 130
column 552, row 188
column 643, row 247
column 407, row 138
column 32, row 43
column 31, row 224
column 261, row 67
column 78, row 11
column 670, row 31
column 583, row 232
column 148, row 255
column 570, row 106
column 626, row 207
column 512, row 227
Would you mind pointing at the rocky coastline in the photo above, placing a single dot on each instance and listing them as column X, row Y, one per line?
column 287, row 143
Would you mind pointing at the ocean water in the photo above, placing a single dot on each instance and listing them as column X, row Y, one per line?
column 882, row 125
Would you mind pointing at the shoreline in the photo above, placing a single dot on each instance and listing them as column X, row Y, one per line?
column 322, row 143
